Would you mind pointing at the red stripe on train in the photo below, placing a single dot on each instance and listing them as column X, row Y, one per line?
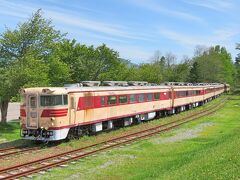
column 22, row 113
column 54, row 112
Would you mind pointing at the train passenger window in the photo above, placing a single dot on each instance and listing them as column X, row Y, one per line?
column 102, row 101
column 149, row 97
column 156, row 96
column 133, row 98
column 53, row 100
column 65, row 99
column 33, row 103
column 123, row 99
column 141, row 98
column 112, row 100
column 193, row 93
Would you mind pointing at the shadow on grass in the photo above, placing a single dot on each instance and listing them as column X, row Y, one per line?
column 10, row 132
column 17, row 143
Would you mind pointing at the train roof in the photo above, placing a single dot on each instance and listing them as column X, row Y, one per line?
column 65, row 90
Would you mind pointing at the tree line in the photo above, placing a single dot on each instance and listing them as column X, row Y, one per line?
column 36, row 54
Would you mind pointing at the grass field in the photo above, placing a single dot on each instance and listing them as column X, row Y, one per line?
column 9, row 131
column 205, row 149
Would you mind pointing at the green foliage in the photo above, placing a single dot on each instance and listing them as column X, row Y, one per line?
column 24, row 57
column 90, row 63
column 213, row 65
column 237, row 66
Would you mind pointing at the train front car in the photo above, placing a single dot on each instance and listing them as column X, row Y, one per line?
column 42, row 111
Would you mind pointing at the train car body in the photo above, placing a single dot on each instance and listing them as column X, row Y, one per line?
column 57, row 113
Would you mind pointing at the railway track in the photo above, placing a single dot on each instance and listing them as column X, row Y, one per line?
column 12, row 151
column 45, row 164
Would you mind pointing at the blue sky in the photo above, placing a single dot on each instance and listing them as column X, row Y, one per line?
column 137, row 28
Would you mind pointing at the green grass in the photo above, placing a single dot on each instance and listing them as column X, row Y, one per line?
column 211, row 153
column 9, row 131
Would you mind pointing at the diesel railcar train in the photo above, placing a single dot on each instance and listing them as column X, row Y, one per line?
column 57, row 113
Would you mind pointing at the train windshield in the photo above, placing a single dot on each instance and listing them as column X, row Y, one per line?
column 53, row 100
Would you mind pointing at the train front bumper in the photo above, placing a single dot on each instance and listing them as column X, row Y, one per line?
column 44, row 135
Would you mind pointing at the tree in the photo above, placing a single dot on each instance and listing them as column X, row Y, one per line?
column 237, row 67
column 24, row 57
column 181, row 71
column 90, row 63
column 212, row 65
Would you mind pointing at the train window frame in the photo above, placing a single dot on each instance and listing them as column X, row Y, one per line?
column 126, row 100
column 149, row 96
column 132, row 100
column 33, row 102
column 109, row 102
column 141, row 98
column 102, row 101
column 198, row 92
column 63, row 97
column 156, row 96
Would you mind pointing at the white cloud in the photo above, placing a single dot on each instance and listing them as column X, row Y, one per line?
column 217, row 5
column 157, row 7
column 70, row 18
column 109, row 29
column 218, row 36
column 224, row 37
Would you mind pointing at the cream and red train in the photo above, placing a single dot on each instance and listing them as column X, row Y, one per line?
column 50, row 114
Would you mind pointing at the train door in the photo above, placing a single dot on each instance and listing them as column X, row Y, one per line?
column 32, row 111
column 88, row 106
column 72, row 109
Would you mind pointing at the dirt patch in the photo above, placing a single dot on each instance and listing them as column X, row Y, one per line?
column 184, row 134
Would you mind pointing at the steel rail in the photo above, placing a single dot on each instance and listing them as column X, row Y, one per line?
column 67, row 156
column 9, row 152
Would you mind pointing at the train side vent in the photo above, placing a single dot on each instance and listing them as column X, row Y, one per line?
column 137, row 83
column 114, row 83
column 90, row 83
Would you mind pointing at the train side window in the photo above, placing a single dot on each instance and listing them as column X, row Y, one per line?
column 65, row 99
column 156, row 96
column 123, row 99
column 33, row 102
column 102, row 101
column 133, row 98
column 149, row 97
column 141, row 98
column 112, row 100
